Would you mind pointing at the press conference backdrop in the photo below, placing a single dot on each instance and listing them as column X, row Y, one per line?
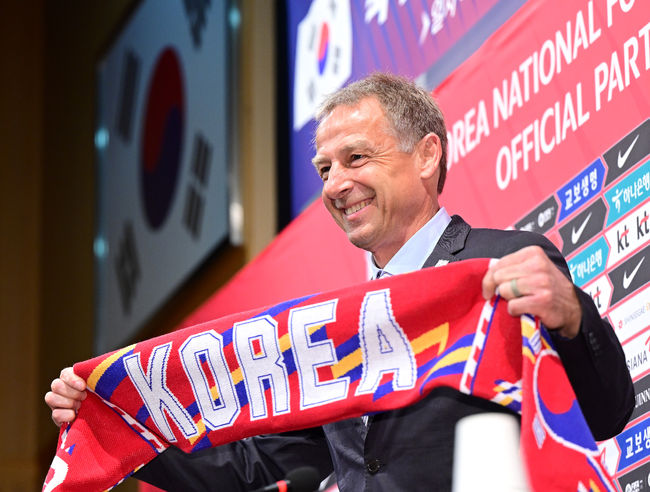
column 330, row 42
column 162, row 158
column 549, row 131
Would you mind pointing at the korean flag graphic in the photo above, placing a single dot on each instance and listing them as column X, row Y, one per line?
column 162, row 159
column 323, row 56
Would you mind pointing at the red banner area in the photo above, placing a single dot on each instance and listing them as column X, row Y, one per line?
column 546, row 95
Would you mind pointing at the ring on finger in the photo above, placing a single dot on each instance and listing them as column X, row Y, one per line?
column 513, row 287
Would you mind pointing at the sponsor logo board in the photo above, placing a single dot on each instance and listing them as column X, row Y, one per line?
column 632, row 316
column 629, row 234
column 636, row 354
column 589, row 263
column 627, row 194
column 641, row 397
column 627, row 152
column 586, row 225
column 634, row 444
column 541, row 219
column 630, row 275
column 637, row 480
column 600, row 291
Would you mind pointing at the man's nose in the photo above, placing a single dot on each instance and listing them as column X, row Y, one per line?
column 338, row 181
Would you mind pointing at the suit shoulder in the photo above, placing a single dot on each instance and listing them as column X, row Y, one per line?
column 495, row 243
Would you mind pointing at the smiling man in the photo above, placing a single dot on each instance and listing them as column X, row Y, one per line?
column 378, row 190
column 381, row 153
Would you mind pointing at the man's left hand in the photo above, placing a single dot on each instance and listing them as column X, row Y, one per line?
column 531, row 283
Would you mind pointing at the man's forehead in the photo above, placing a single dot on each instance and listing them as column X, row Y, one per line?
column 356, row 108
column 348, row 116
column 340, row 115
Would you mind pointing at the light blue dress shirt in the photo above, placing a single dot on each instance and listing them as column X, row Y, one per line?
column 412, row 255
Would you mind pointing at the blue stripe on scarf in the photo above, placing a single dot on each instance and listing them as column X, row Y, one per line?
column 112, row 377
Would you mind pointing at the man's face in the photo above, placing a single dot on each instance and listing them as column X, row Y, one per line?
column 374, row 191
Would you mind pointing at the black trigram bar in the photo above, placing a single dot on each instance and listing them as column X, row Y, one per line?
column 194, row 205
column 201, row 159
column 195, row 10
column 130, row 72
column 200, row 171
column 127, row 267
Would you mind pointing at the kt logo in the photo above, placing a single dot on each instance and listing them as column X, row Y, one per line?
column 622, row 239
column 596, row 297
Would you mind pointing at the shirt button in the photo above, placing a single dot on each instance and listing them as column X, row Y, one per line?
column 373, row 466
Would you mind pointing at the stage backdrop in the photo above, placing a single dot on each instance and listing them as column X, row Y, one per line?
column 333, row 41
column 549, row 129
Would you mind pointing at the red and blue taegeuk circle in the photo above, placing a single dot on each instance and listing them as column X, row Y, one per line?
column 323, row 47
column 162, row 137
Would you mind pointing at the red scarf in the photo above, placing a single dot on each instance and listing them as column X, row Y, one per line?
column 372, row 347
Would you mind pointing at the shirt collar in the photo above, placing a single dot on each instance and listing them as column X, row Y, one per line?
column 412, row 255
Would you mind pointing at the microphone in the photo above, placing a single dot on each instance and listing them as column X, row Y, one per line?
column 303, row 479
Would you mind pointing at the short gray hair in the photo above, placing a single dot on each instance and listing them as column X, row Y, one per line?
column 410, row 110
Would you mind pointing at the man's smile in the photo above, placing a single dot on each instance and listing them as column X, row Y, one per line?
column 356, row 207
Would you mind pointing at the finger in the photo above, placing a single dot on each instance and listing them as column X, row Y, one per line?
column 61, row 416
column 566, row 319
column 62, row 388
column 71, row 379
column 55, row 401
column 488, row 284
column 521, row 305
column 503, row 270
column 515, row 287
column 500, row 280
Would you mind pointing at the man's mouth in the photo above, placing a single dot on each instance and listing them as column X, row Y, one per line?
column 356, row 207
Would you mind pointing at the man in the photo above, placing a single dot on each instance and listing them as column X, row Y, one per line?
column 380, row 151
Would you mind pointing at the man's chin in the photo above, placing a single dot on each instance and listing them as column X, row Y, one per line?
column 360, row 241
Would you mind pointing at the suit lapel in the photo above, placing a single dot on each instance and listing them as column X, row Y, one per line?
column 450, row 243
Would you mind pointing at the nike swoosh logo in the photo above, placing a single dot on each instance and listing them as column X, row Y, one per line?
column 628, row 280
column 575, row 235
column 623, row 158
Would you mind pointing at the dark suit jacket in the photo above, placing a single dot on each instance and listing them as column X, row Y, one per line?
column 412, row 448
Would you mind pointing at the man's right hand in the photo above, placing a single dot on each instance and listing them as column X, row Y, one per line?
column 68, row 391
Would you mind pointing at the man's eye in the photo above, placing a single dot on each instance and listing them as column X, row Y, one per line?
column 356, row 157
column 324, row 171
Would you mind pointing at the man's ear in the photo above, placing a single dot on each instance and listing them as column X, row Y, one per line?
column 430, row 152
